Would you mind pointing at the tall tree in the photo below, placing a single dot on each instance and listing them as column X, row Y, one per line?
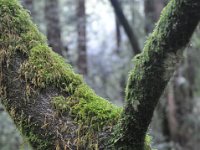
column 53, row 25
column 127, row 28
column 55, row 109
column 152, row 10
column 154, row 65
column 82, row 40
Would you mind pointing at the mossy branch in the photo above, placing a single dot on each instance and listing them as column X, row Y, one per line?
column 50, row 104
column 55, row 109
column 153, row 69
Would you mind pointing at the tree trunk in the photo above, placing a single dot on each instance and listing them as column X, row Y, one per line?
column 183, row 84
column 179, row 95
column 50, row 104
column 153, row 69
column 152, row 12
column 81, row 29
column 118, row 35
column 55, row 109
column 53, row 25
column 127, row 28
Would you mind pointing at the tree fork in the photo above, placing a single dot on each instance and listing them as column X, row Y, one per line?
column 55, row 109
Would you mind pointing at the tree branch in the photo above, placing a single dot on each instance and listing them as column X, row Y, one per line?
column 49, row 103
column 127, row 28
column 153, row 69
column 55, row 109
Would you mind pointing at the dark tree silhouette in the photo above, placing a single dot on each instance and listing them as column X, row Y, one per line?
column 82, row 41
column 127, row 28
column 53, row 25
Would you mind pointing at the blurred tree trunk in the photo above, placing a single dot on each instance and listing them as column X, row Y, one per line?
column 152, row 10
column 53, row 25
column 118, row 35
column 82, row 39
column 150, row 15
column 125, row 24
column 54, row 108
column 29, row 4
column 183, row 87
column 121, row 21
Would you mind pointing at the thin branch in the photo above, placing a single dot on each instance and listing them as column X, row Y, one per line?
column 127, row 28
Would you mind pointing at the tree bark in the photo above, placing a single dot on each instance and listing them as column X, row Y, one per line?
column 49, row 103
column 81, row 29
column 153, row 69
column 152, row 12
column 55, row 109
column 179, row 95
column 53, row 25
column 127, row 28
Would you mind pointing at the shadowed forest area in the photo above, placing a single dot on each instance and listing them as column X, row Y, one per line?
column 99, row 39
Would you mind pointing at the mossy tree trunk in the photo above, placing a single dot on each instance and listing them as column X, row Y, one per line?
column 55, row 109
column 153, row 69
column 179, row 95
column 152, row 12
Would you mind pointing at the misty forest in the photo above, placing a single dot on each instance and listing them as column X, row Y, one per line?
column 99, row 75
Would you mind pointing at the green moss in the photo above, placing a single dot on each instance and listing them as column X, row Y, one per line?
column 42, row 68
column 148, row 142
column 29, row 129
column 92, row 111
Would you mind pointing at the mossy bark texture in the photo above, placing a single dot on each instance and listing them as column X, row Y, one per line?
column 50, row 104
column 153, row 69
column 55, row 109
